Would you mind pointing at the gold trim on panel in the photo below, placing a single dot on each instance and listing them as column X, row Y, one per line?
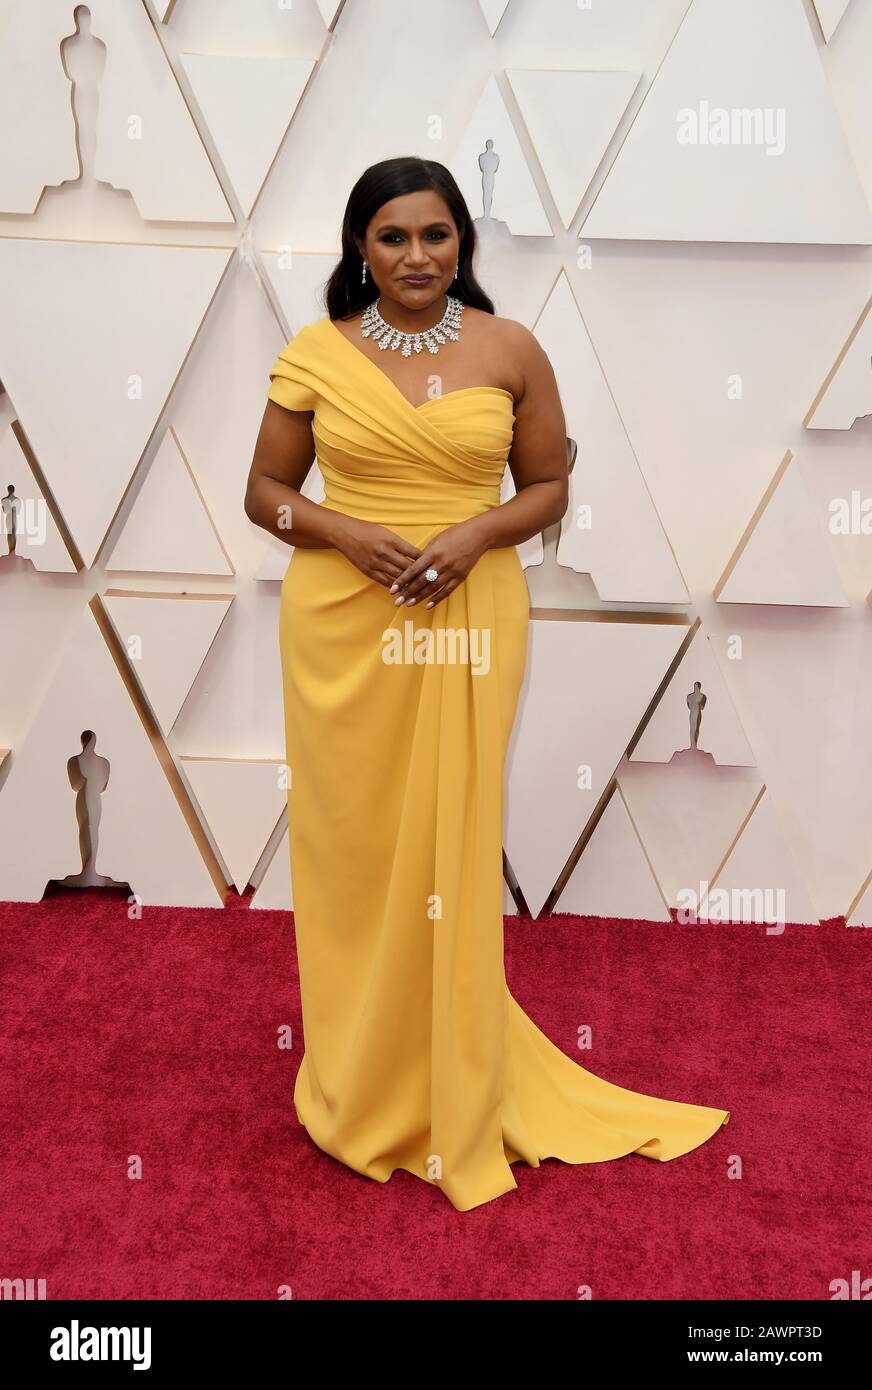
column 853, row 905
column 159, row 745
column 837, row 364
column 735, row 840
column 158, row 423
column 208, row 758
column 163, row 593
column 514, row 887
column 643, row 481
column 57, row 518
column 648, row 860
column 609, row 615
column 579, row 847
column 752, row 524
column 596, row 813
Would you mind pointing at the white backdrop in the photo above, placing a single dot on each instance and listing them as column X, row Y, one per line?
column 681, row 213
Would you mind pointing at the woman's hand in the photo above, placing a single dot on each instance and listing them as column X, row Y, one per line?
column 452, row 554
column 377, row 551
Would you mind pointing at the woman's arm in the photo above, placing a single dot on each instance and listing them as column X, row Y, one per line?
column 283, row 455
column 539, row 460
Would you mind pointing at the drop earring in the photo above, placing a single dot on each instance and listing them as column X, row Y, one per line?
column 456, row 269
column 363, row 276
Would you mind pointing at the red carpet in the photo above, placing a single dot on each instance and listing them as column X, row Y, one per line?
column 158, row 1038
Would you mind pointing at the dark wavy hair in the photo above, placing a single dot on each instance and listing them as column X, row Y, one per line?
column 344, row 294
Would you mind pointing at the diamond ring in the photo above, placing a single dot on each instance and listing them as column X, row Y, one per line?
column 431, row 575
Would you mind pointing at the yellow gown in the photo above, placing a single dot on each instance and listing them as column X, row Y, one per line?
column 416, row 1055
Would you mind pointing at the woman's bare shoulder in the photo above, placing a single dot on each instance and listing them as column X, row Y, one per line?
column 525, row 356
column 506, row 332
column 518, row 334
column 517, row 341
column 507, row 349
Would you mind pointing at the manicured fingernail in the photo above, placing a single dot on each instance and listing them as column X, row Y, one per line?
column 393, row 588
column 430, row 604
column 411, row 601
column 398, row 600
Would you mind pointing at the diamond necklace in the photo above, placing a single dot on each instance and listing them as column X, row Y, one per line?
column 372, row 324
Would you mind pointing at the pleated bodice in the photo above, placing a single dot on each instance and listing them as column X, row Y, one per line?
column 382, row 458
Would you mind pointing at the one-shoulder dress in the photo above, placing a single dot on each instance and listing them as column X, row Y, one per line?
column 397, row 721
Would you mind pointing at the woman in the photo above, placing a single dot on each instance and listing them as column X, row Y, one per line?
column 403, row 632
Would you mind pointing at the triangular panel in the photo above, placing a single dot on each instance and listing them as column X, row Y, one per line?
column 241, row 800
column 92, row 337
column 169, row 530
column 516, row 203
column 611, row 529
column 613, row 877
column 737, row 139
column 167, row 638
column 784, row 555
column 148, row 834
column 571, row 117
column 247, row 104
